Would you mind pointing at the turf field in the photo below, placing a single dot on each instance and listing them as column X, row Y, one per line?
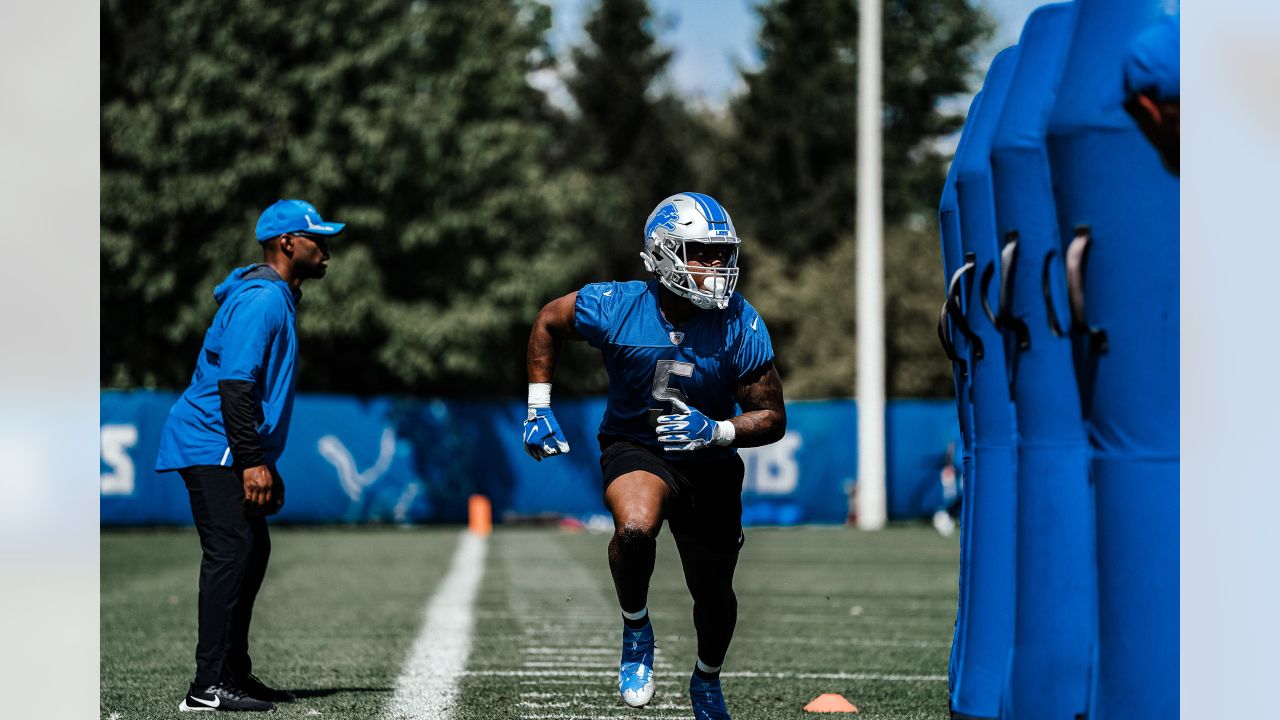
column 866, row 615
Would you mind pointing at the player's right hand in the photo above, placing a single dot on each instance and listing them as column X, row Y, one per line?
column 542, row 434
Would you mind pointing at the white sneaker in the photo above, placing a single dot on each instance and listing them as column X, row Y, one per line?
column 943, row 523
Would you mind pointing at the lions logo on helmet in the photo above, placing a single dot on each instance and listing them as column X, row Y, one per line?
column 691, row 218
column 663, row 217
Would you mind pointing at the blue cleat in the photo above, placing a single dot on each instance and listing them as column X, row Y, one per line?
column 635, row 672
column 708, row 699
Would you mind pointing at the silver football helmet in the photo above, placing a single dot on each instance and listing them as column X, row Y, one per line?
column 691, row 218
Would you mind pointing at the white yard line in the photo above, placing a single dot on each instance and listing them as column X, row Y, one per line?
column 847, row 620
column 593, row 716
column 890, row 677
column 594, row 704
column 609, row 680
column 560, row 651
column 583, row 664
column 741, row 638
column 427, row 688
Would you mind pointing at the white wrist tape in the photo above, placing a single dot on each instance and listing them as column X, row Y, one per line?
column 539, row 395
column 724, row 433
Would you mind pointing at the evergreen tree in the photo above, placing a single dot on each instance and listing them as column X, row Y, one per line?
column 793, row 153
column 636, row 139
column 791, row 160
column 412, row 121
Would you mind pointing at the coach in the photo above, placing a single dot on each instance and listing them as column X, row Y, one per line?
column 224, row 436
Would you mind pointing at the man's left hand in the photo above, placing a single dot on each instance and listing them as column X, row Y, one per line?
column 687, row 429
column 257, row 482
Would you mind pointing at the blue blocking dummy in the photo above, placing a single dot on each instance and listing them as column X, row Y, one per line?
column 1118, row 209
column 989, row 505
column 956, row 344
column 1056, row 606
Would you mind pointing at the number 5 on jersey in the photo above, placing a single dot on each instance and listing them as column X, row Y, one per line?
column 662, row 389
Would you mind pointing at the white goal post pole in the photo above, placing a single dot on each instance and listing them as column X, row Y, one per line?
column 871, row 504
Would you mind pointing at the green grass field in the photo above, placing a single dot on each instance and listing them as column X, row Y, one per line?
column 866, row 615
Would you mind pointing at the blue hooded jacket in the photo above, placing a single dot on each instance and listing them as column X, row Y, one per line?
column 253, row 338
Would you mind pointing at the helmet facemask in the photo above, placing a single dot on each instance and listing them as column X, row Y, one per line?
column 706, row 286
column 677, row 222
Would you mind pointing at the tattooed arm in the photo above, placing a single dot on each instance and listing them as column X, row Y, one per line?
column 764, row 418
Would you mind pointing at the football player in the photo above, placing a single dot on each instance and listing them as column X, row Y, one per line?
column 681, row 351
column 1152, row 85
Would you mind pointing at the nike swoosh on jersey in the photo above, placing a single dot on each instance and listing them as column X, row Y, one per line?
column 753, row 323
column 607, row 293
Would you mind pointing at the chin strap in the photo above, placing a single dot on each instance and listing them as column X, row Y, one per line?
column 701, row 302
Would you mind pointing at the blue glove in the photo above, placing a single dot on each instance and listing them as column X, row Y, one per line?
column 688, row 429
column 542, row 434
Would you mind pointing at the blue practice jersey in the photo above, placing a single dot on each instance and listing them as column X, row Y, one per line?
column 649, row 360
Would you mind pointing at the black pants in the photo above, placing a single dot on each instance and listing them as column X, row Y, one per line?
column 236, row 547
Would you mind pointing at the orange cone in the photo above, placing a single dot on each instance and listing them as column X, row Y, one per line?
column 479, row 515
column 830, row 702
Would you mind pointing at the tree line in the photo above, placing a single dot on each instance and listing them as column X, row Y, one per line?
column 472, row 198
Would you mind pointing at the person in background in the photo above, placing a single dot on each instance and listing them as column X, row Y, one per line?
column 224, row 436
column 1152, row 71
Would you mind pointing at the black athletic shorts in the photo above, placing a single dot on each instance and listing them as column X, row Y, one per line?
column 706, row 498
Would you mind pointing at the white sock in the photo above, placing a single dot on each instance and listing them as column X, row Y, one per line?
column 707, row 668
column 637, row 615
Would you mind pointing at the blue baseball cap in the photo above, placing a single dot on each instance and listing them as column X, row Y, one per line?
column 1153, row 66
column 286, row 216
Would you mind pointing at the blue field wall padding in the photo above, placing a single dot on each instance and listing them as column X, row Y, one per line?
column 1056, row 603
column 1118, row 210
column 988, row 521
column 402, row 460
column 956, row 344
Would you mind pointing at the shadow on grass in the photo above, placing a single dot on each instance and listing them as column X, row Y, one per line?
column 305, row 693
